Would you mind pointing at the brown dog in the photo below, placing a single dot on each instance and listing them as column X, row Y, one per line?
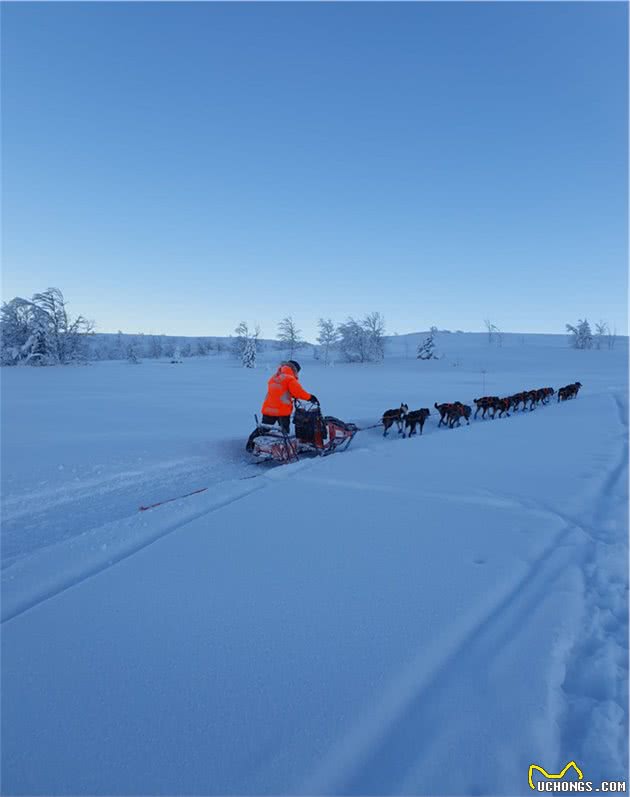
column 485, row 403
column 457, row 412
column 416, row 418
column 502, row 405
column 569, row 391
column 444, row 410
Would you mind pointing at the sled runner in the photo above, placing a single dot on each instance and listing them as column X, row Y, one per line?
column 315, row 435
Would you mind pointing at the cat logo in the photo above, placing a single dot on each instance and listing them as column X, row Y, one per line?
column 551, row 776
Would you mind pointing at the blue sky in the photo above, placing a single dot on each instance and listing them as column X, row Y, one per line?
column 177, row 168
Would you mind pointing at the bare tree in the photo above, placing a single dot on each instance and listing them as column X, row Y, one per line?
column 601, row 331
column 328, row 337
column 494, row 333
column 289, row 336
column 612, row 337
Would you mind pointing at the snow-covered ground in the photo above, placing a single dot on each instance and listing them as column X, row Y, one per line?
column 424, row 616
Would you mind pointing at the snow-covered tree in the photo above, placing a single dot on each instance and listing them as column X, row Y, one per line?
column 186, row 350
column 41, row 332
column 132, row 356
column 328, row 337
column 65, row 336
column 248, row 358
column 426, row 348
column 243, row 334
column 16, row 328
column 203, row 347
column 352, row 341
column 289, row 336
column 362, row 341
column 155, row 347
column 119, row 346
column 244, row 343
column 580, row 336
column 374, row 327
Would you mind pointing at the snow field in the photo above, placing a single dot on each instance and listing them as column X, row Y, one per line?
column 414, row 616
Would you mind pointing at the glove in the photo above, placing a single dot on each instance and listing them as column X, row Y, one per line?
column 314, row 399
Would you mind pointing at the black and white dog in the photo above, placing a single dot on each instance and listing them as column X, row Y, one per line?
column 391, row 417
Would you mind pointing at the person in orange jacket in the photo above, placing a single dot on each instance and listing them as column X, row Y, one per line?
column 277, row 407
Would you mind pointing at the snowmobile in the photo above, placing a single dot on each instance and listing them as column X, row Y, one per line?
column 315, row 435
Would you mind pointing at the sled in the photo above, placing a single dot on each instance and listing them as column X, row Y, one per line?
column 315, row 435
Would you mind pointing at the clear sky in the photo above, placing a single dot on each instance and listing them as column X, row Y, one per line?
column 177, row 168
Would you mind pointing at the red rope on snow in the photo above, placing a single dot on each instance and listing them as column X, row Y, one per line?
column 168, row 500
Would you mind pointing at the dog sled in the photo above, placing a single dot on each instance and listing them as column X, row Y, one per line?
column 315, row 435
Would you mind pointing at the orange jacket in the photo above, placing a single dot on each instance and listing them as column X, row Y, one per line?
column 281, row 389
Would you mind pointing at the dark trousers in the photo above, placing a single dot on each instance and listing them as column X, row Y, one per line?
column 284, row 421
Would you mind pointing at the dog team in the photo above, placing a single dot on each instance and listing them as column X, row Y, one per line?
column 451, row 414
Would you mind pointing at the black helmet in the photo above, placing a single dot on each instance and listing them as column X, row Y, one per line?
column 294, row 364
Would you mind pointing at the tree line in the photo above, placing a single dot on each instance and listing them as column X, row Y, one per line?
column 41, row 331
column 356, row 340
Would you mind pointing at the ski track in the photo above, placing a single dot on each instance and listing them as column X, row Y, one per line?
column 395, row 739
column 121, row 495
column 67, row 582
column 596, row 708
column 36, row 519
column 390, row 748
